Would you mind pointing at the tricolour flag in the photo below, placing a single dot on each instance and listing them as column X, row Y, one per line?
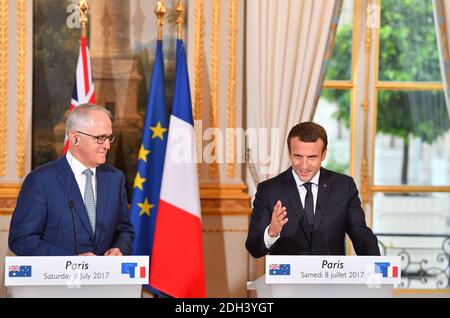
column 177, row 267
column 83, row 88
column 386, row 270
column 147, row 183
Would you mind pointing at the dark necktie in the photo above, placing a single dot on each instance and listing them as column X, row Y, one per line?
column 309, row 203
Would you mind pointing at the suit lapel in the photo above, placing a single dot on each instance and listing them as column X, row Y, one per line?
column 102, row 195
column 322, row 197
column 294, row 199
column 69, row 185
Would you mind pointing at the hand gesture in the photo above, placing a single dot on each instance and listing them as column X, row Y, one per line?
column 279, row 219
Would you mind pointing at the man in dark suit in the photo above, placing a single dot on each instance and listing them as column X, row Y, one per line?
column 76, row 204
column 306, row 210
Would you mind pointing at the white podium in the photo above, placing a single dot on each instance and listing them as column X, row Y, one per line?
column 76, row 276
column 328, row 276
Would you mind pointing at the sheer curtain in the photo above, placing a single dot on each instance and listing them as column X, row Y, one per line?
column 289, row 44
column 441, row 21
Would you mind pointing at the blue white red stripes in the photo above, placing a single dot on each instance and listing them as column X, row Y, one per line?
column 177, row 267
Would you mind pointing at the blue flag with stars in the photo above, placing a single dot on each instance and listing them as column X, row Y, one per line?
column 147, row 184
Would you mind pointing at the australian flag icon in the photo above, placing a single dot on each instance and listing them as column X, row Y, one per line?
column 279, row 269
column 19, row 271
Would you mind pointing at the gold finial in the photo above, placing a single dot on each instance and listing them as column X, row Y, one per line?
column 160, row 12
column 180, row 10
column 84, row 8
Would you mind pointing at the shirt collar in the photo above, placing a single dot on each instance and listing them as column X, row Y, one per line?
column 314, row 180
column 76, row 166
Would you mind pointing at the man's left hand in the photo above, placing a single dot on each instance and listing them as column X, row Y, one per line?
column 113, row 252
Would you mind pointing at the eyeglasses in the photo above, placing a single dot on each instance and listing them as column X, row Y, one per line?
column 100, row 139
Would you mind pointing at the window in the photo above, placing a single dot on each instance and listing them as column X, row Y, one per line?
column 403, row 135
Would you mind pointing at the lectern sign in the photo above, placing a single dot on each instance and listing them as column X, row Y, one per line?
column 76, row 270
column 333, row 269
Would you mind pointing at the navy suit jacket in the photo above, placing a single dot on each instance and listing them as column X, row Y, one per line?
column 338, row 211
column 41, row 224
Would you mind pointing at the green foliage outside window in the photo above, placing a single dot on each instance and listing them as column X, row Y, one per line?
column 408, row 52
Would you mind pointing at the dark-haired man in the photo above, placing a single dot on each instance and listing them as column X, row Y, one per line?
column 306, row 210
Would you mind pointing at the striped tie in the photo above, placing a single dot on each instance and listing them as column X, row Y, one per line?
column 89, row 200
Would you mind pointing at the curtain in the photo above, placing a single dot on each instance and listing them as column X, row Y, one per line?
column 441, row 21
column 289, row 44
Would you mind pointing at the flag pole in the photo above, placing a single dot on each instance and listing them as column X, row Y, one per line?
column 84, row 8
column 180, row 11
column 160, row 12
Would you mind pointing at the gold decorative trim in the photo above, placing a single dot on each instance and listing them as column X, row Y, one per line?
column 8, row 198
column 233, row 6
column 223, row 191
column 199, row 60
column 215, row 81
column 221, row 230
column 409, row 86
column 84, row 8
column 409, row 189
column 9, row 191
column 3, row 85
column 21, row 57
column 160, row 12
column 224, row 199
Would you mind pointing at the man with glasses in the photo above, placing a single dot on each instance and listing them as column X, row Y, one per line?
column 76, row 205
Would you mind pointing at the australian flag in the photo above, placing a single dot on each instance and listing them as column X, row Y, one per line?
column 83, row 88
column 19, row 271
column 280, row 269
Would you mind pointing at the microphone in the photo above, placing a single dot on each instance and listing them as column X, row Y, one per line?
column 72, row 209
column 324, row 228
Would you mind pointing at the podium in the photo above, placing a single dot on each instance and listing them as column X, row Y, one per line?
column 76, row 276
column 328, row 277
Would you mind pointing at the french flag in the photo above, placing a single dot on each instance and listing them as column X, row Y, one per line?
column 83, row 88
column 177, row 267
column 386, row 270
column 392, row 271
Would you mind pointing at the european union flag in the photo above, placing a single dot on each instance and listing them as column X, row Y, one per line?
column 129, row 268
column 382, row 267
column 147, row 184
column 279, row 269
column 19, row 271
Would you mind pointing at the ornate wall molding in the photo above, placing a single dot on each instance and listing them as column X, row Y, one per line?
column 21, row 57
column 222, row 230
column 8, row 198
column 215, row 80
column 224, row 199
column 199, row 60
column 3, row 85
column 233, row 6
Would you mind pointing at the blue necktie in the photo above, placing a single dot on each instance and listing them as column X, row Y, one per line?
column 89, row 200
column 309, row 203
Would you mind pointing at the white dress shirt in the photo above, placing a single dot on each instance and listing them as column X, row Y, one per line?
column 77, row 169
column 268, row 240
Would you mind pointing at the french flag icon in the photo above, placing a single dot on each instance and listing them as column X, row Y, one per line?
column 386, row 270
